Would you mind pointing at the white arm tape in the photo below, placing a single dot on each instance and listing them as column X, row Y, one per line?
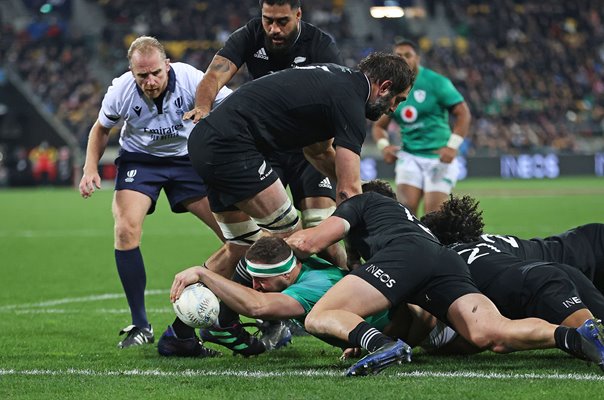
column 455, row 141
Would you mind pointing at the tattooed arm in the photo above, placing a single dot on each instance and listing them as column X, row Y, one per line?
column 218, row 74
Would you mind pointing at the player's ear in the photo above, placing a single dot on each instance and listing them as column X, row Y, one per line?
column 167, row 64
column 385, row 86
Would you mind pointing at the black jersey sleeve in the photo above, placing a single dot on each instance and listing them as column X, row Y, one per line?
column 352, row 210
column 238, row 45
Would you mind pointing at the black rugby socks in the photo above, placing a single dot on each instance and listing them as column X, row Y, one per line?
column 367, row 337
column 131, row 270
column 569, row 340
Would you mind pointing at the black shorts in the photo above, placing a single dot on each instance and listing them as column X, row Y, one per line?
column 303, row 179
column 178, row 179
column 583, row 248
column 232, row 171
column 536, row 289
column 417, row 270
column 590, row 294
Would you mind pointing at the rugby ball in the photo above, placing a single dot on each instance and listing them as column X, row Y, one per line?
column 197, row 306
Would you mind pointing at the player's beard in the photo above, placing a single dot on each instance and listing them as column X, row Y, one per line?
column 373, row 111
column 282, row 47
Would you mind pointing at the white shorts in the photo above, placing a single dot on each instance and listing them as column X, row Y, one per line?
column 428, row 174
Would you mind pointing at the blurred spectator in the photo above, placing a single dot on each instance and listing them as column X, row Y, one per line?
column 43, row 159
column 531, row 71
column 19, row 168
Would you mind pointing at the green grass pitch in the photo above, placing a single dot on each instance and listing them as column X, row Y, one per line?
column 61, row 306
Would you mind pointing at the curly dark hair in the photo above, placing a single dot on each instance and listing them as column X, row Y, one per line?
column 458, row 220
column 380, row 67
column 379, row 186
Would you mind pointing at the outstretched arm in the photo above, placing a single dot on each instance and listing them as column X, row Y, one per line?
column 307, row 242
column 239, row 298
column 218, row 74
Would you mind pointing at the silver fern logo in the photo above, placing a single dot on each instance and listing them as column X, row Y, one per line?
column 262, row 171
column 130, row 176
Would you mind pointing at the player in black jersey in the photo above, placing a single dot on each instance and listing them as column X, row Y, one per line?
column 582, row 247
column 276, row 41
column 524, row 277
column 405, row 263
column 321, row 109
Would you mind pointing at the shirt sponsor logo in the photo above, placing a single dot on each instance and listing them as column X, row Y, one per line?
column 382, row 277
column 262, row 171
column 261, row 54
column 163, row 133
column 419, row 95
column 325, row 183
column 130, row 176
column 409, row 114
column 572, row 301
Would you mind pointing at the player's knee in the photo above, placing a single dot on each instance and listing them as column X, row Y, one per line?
column 283, row 220
column 482, row 340
column 240, row 233
column 126, row 235
column 313, row 323
column 314, row 216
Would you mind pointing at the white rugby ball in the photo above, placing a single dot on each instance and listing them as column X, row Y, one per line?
column 197, row 306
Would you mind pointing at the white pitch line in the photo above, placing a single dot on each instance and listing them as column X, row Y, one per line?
column 88, row 233
column 67, row 300
column 298, row 373
column 104, row 311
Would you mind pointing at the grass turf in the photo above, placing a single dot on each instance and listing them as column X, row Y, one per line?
column 61, row 306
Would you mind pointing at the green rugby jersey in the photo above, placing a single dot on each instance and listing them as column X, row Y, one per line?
column 424, row 116
column 316, row 277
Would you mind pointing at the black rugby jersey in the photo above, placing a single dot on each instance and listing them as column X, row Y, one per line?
column 507, row 280
column 376, row 220
column 247, row 45
column 487, row 261
column 582, row 247
column 294, row 108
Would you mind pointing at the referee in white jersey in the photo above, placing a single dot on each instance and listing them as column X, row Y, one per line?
column 151, row 100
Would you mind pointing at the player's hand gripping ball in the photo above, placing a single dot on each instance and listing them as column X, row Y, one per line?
column 197, row 306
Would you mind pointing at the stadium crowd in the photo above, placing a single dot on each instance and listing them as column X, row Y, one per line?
column 533, row 74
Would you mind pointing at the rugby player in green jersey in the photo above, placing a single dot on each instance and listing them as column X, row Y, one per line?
column 426, row 162
column 274, row 285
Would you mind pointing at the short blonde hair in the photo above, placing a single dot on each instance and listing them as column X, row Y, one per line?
column 145, row 45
